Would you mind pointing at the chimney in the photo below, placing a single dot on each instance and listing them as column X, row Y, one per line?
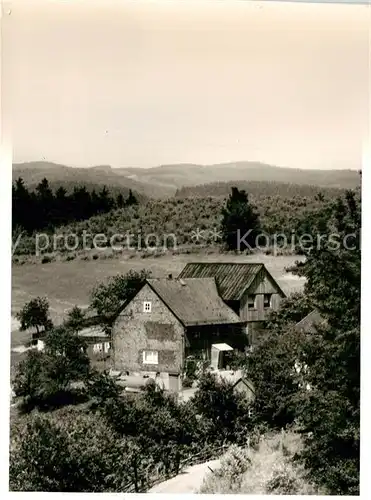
column 170, row 276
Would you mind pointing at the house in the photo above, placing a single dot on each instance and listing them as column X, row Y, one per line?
column 207, row 312
column 239, row 382
column 247, row 288
column 310, row 322
column 168, row 320
column 97, row 340
column 246, row 387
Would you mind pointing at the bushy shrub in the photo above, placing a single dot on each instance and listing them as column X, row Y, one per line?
column 187, row 383
column 226, row 409
column 228, row 477
column 43, row 379
column 266, row 469
column 76, row 453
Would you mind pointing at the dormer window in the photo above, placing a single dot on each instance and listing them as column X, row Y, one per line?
column 147, row 307
column 251, row 302
column 267, row 300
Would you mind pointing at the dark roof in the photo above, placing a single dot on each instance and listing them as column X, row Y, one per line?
column 233, row 279
column 194, row 301
column 308, row 323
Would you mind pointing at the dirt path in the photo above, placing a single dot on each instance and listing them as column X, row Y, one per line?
column 188, row 481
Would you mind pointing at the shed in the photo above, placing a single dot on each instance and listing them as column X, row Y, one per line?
column 98, row 341
column 217, row 358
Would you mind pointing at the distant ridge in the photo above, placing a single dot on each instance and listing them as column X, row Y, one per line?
column 164, row 180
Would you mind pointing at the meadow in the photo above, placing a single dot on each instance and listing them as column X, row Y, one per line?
column 69, row 283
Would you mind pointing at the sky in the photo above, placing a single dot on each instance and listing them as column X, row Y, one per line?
column 145, row 83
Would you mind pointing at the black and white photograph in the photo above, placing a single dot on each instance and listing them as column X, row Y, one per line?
column 184, row 245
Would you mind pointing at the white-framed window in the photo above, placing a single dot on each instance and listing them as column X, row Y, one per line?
column 250, row 412
column 147, row 307
column 106, row 346
column 150, row 357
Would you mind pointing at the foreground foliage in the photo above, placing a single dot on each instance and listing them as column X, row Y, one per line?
column 268, row 468
column 70, row 452
column 120, row 442
column 43, row 379
column 324, row 397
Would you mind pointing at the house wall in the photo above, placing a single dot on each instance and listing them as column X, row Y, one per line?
column 98, row 348
column 263, row 285
column 136, row 331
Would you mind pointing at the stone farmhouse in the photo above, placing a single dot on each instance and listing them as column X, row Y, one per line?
column 209, row 310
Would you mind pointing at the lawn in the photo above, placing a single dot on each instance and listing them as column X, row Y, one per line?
column 68, row 283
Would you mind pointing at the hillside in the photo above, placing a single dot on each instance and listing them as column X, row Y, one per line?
column 257, row 189
column 191, row 174
column 163, row 181
column 60, row 175
column 287, row 209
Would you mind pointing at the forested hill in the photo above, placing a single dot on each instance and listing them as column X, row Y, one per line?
column 163, row 181
column 192, row 175
column 92, row 178
column 257, row 189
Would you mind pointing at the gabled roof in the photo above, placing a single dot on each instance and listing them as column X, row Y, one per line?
column 93, row 332
column 310, row 321
column 233, row 279
column 194, row 301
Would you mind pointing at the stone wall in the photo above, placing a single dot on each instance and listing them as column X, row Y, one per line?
column 136, row 331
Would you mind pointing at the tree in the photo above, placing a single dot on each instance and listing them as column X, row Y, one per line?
column 44, row 378
column 271, row 367
column 324, row 397
column 329, row 413
column 72, row 452
column 131, row 199
column 120, row 201
column 240, row 223
column 104, row 200
column 292, row 309
column 22, row 206
column 226, row 409
column 75, row 318
column 35, row 314
column 107, row 298
column 45, row 203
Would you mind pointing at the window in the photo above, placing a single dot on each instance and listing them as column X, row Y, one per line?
column 147, row 307
column 150, row 357
column 250, row 412
column 106, row 346
column 267, row 300
column 97, row 348
column 251, row 302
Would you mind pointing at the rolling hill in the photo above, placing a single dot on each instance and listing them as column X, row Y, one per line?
column 190, row 175
column 165, row 180
column 95, row 177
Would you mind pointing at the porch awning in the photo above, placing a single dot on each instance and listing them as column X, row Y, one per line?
column 222, row 347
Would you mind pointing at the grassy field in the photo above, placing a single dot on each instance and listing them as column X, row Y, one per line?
column 68, row 283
